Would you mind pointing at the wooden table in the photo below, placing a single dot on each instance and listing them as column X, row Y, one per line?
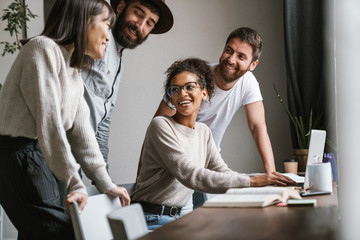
column 273, row 222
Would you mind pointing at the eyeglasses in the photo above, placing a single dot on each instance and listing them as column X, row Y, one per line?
column 175, row 90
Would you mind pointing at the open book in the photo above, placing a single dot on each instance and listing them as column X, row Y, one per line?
column 253, row 197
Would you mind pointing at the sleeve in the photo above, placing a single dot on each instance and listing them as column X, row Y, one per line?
column 103, row 134
column 87, row 151
column 177, row 161
column 251, row 89
column 168, row 102
column 96, row 103
column 43, row 90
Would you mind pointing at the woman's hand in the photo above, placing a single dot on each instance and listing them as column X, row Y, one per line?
column 269, row 179
column 80, row 198
column 122, row 193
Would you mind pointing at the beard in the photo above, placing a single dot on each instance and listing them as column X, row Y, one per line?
column 229, row 76
column 122, row 38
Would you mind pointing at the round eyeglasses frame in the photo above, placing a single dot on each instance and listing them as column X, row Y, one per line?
column 189, row 87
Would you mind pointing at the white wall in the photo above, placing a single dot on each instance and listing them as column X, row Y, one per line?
column 348, row 85
column 201, row 28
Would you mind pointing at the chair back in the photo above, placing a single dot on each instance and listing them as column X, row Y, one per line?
column 92, row 190
column 92, row 223
column 128, row 222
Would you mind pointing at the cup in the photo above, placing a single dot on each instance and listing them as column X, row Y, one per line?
column 291, row 165
column 320, row 178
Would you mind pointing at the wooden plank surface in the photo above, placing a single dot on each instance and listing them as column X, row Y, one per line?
column 273, row 222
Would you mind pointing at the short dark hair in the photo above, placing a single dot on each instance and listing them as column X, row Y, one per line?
column 249, row 36
column 196, row 66
column 68, row 23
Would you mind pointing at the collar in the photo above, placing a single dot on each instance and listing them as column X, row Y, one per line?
column 119, row 48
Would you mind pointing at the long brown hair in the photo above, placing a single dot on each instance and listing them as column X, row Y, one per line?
column 68, row 23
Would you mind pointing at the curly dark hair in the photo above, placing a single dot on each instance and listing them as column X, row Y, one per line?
column 196, row 66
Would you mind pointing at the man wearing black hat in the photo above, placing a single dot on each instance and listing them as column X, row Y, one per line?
column 135, row 20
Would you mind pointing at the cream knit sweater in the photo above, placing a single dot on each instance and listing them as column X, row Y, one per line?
column 177, row 159
column 42, row 98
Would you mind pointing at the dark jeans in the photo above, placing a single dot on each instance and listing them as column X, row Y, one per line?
column 29, row 193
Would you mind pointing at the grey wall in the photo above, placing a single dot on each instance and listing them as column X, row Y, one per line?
column 200, row 30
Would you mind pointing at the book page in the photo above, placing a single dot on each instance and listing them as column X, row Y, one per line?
column 295, row 177
column 237, row 200
column 259, row 190
column 252, row 197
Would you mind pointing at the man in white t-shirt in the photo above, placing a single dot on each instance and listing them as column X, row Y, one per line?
column 236, row 86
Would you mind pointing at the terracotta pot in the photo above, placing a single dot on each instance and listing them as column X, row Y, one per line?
column 301, row 156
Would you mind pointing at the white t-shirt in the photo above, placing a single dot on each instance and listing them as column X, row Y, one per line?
column 217, row 113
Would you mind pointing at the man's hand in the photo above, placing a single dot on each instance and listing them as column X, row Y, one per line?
column 270, row 179
column 122, row 193
column 80, row 198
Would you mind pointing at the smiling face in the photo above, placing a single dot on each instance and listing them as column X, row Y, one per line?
column 98, row 35
column 134, row 24
column 187, row 104
column 236, row 60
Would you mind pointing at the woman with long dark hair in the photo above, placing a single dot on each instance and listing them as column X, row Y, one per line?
column 44, row 122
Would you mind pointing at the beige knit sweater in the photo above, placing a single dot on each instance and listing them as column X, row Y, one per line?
column 42, row 98
column 177, row 159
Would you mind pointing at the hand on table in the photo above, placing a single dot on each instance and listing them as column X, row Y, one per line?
column 270, row 179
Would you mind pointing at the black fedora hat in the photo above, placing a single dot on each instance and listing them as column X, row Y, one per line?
column 166, row 19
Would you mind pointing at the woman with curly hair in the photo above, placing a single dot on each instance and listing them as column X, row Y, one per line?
column 179, row 154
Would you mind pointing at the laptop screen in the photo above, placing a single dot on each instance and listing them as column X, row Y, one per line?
column 316, row 151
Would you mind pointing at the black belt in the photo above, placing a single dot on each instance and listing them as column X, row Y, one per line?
column 17, row 142
column 159, row 209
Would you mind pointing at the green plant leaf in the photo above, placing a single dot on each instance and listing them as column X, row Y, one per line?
column 302, row 129
column 16, row 15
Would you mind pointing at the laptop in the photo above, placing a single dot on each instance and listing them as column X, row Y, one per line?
column 316, row 153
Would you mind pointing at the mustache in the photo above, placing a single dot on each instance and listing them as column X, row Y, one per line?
column 135, row 29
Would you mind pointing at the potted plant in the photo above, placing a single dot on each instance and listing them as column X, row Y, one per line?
column 16, row 15
column 302, row 129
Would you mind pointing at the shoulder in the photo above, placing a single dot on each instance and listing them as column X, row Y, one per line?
column 203, row 129
column 42, row 50
column 160, row 127
column 41, row 46
column 247, row 81
column 249, row 76
column 160, row 122
column 213, row 65
column 41, row 42
column 201, row 126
